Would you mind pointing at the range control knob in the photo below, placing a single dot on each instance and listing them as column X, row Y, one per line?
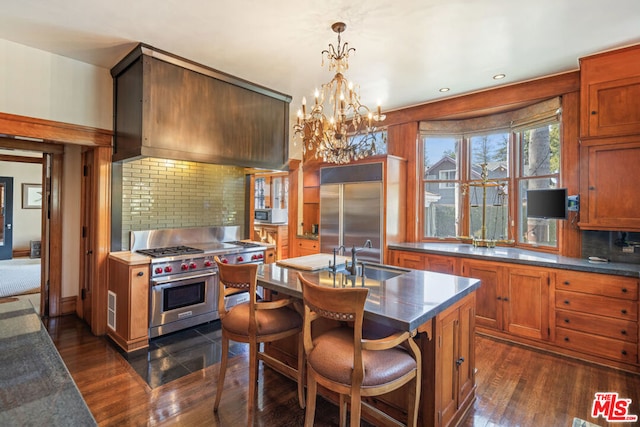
column 184, row 267
column 254, row 257
column 192, row 265
column 208, row 263
column 225, row 261
column 260, row 256
column 168, row 269
column 239, row 259
column 158, row 270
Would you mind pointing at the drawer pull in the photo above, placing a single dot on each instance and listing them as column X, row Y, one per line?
column 624, row 311
column 499, row 298
column 566, row 282
column 566, row 302
column 624, row 290
column 140, row 273
column 566, row 339
column 566, row 320
column 624, row 352
column 505, row 299
column 623, row 332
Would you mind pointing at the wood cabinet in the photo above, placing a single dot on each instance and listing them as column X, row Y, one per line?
column 306, row 247
column 128, row 304
column 609, row 194
column 610, row 93
column 273, row 234
column 427, row 262
column 597, row 314
column 455, row 364
column 310, row 196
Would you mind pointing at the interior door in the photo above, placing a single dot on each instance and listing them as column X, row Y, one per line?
column 86, row 258
column 6, row 217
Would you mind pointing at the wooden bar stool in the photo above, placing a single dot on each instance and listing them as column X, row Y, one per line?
column 341, row 360
column 255, row 322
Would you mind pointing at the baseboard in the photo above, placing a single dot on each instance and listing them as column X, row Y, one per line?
column 19, row 253
column 68, row 305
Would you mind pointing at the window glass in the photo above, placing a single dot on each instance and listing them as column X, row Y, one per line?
column 441, row 195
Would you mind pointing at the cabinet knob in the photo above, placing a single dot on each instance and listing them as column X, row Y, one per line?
column 566, row 339
column 593, row 113
column 623, row 311
column 460, row 361
column 140, row 273
column 505, row 299
column 566, row 282
column 499, row 298
column 591, row 187
column 566, row 302
column 623, row 332
column 624, row 352
column 566, row 321
column 624, row 290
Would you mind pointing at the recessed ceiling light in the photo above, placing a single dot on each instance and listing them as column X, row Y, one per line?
column 444, row 89
column 499, row 76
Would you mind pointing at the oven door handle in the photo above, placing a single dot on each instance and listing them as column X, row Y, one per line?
column 180, row 277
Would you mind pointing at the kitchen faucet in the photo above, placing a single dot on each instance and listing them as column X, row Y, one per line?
column 333, row 266
column 353, row 269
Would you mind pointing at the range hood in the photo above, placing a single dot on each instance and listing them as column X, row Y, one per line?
column 169, row 107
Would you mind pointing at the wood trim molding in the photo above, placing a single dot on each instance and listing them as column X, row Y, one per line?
column 17, row 253
column 48, row 130
column 489, row 101
column 20, row 159
column 68, row 305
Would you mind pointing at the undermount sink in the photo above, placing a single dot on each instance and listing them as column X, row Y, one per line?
column 378, row 272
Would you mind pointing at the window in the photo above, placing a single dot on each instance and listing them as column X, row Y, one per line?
column 476, row 174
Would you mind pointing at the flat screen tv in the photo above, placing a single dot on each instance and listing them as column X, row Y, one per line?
column 549, row 203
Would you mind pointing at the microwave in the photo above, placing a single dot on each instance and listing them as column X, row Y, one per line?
column 271, row 216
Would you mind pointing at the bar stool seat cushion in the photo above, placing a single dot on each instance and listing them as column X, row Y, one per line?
column 332, row 357
column 269, row 321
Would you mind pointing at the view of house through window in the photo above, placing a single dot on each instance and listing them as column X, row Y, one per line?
column 476, row 174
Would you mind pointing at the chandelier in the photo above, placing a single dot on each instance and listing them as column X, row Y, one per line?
column 337, row 126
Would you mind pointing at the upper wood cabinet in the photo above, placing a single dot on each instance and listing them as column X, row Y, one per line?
column 608, row 189
column 610, row 93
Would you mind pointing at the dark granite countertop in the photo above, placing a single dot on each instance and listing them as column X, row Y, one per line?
column 35, row 385
column 403, row 302
column 521, row 256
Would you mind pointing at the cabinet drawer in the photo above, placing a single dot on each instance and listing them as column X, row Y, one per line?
column 626, row 330
column 308, row 244
column 591, row 344
column 595, row 304
column 600, row 284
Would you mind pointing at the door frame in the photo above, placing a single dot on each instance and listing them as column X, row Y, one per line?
column 8, row 216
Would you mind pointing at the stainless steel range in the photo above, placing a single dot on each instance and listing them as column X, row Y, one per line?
column 184, row 276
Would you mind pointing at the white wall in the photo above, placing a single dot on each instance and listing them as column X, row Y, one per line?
column 26, row 222
column 39, row 84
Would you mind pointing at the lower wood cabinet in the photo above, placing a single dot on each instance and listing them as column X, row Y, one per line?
column 306, row 247
column 128, row 300
column 274, row 234
column 590, row 316
column 511, row 299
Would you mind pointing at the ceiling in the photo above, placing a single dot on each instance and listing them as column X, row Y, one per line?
column 405, row 50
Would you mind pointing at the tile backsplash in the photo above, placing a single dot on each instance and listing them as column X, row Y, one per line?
column 611, row 244
column 159, row 193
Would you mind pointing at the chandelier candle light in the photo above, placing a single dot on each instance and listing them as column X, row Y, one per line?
column 349, row 133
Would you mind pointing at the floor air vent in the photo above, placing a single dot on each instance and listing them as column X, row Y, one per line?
column 111, row 310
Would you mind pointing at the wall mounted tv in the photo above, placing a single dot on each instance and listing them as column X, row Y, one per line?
column 548, row 203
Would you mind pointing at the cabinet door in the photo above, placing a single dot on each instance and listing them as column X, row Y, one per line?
column 489, row 294
column 466, row 352
column 447, row 385
column 614, row 107
column 440, row 264
column 139, row 302
column 527, row 303
column 612, row 193
column 412, row 260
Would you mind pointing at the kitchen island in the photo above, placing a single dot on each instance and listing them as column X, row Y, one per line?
column 438, row 307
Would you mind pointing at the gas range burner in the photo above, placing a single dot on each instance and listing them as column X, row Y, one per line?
column 170, row 251
column 244, row 244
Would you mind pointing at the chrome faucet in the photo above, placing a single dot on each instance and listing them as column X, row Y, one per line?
column 353, row 269
column 333, row 266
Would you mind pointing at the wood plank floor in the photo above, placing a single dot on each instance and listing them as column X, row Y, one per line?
column 516, row 387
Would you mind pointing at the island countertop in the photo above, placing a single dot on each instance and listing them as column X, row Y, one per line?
column 402, row 302
column 35, row 385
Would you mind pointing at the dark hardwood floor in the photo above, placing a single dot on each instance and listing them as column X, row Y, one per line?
column 516, row 387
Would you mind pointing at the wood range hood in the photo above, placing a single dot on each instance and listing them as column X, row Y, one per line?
column 172, row 108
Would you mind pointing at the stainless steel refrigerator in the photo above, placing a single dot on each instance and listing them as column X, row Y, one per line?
column 351, row 209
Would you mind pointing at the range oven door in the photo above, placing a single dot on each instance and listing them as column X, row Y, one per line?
column 183, row 300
